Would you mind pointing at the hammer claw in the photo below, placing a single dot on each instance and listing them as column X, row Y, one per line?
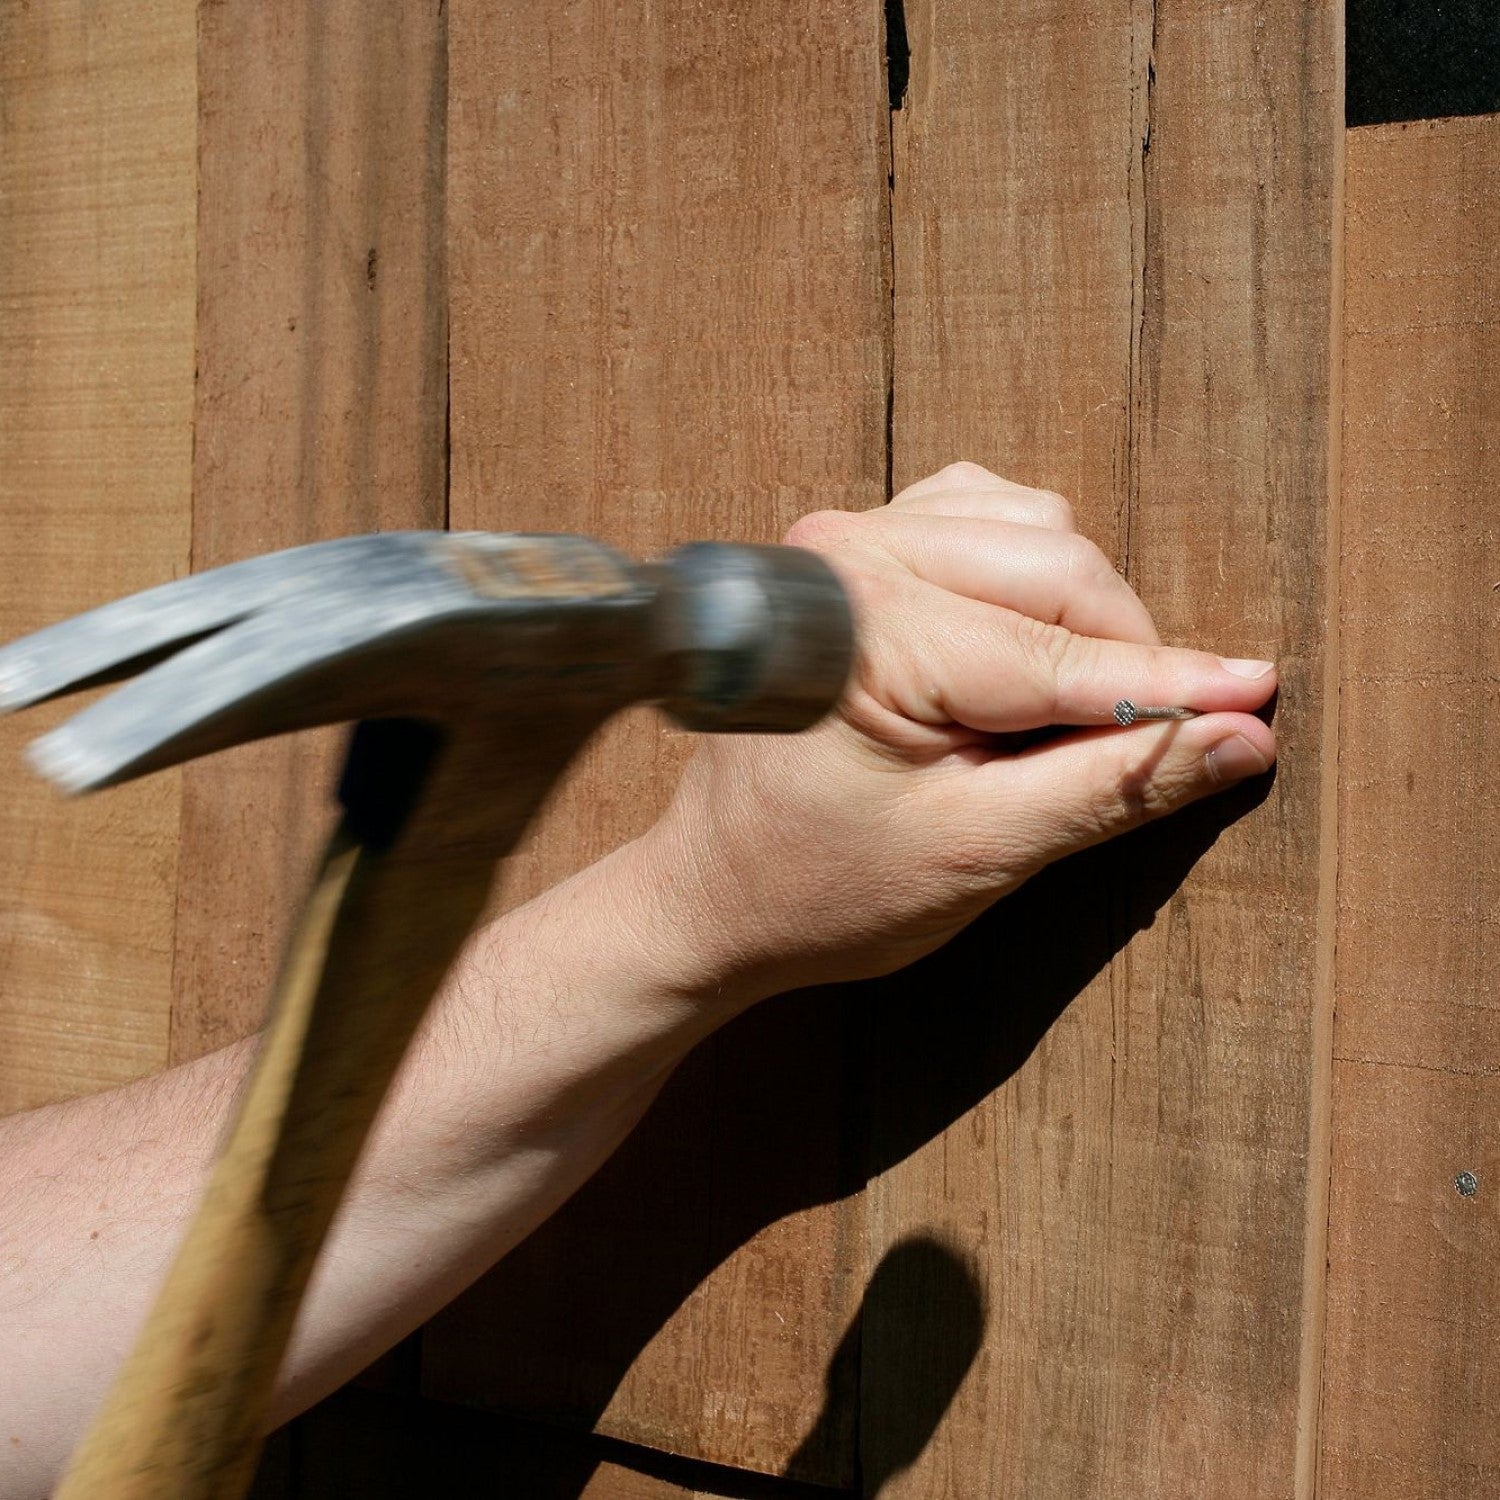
column 205, row 697
column 126, row 636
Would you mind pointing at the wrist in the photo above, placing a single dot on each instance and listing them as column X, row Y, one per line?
column 576, row 1005
column 671, row 930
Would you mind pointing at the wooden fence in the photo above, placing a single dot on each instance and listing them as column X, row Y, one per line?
column 1147, row 1185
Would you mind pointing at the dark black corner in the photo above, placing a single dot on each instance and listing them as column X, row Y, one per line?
column 1421, row 59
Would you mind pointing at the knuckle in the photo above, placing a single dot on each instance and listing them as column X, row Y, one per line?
column 1048, row 651
column 1149, row 786
column 1085, row 561
column 1139, row 797
column 1056, row 508
column 879, row 593
column 821, row 530
column 872, row 590
column 1053, row 649
column 966, row 475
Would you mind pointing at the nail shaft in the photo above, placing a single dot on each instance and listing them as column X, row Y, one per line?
column 1127, row 713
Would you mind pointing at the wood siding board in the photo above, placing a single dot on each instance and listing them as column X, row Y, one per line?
column 97, row 186
column 1412, row 1377
column 1113, row 273
column 321, row 404
column 669, row 321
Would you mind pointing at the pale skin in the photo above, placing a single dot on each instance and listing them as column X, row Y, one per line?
column 981, row 612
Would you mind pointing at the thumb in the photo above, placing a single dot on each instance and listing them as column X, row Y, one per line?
column 1092, row 786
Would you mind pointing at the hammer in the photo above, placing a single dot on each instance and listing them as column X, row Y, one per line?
column 475, row 665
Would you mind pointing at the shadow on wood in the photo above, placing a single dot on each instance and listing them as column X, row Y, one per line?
column 377, row 1444
column 798, row 1104
column 932, row 1330
column 380, row 1446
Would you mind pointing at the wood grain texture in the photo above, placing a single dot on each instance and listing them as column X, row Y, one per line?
column 97, row 130
column 1412, row 1371
column 667, row 238
column 321, row 403
column 1113, row 271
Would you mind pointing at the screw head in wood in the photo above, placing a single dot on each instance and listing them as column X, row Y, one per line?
column 1467, row 1184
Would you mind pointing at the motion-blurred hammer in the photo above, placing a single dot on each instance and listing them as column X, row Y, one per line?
column 475, row 666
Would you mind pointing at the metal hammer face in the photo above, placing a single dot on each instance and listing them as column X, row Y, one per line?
column 454, row 628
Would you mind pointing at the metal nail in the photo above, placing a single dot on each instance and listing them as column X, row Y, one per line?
column 1126, row 713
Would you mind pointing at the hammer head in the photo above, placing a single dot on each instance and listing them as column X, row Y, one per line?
column 455, row 628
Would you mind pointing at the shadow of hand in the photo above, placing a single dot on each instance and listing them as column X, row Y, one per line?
column 797, row 1104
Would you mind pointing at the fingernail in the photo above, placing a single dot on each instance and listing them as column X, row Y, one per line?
column 1242, row 668
column 1234, row 759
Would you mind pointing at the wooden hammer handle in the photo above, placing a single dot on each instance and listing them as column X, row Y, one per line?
column 187, row 1412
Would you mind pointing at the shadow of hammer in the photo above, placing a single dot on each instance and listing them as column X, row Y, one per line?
column 475, row 665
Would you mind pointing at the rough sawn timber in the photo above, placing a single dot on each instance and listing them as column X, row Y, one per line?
column 667, row 238
column 321, row 405
column 1412, row 1369
column 1114, row 272
column 97, row 187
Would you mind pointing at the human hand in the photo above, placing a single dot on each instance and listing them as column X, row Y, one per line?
column 867, row 842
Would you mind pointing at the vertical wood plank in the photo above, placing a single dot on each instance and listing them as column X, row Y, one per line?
column 667, row 240
column 97, row 187
column 1113, row 271
column 667, row 233
column 1412, row 1375
column 321, row 402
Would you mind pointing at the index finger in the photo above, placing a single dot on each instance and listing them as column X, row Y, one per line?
column 989, row 669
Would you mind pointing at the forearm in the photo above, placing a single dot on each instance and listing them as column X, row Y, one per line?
column 556, row 1030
